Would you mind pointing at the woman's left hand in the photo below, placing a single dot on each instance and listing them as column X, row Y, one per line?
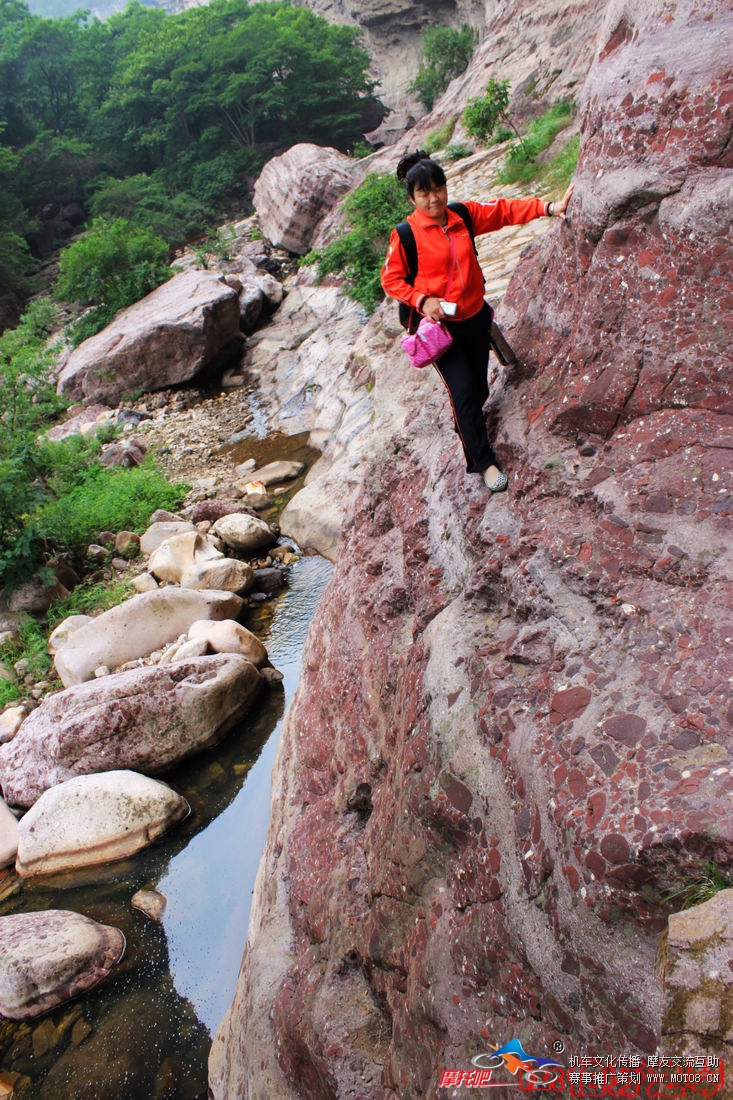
column 559, row 208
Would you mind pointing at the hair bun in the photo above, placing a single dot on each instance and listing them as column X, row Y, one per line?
column 409, row 161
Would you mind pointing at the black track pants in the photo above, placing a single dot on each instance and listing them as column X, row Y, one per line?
column 463, row 368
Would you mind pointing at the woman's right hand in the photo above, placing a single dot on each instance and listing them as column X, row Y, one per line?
column 432, row 308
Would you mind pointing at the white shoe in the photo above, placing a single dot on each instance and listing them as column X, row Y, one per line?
column 497, row 483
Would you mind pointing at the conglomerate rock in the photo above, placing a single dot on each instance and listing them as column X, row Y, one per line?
column 512, row 737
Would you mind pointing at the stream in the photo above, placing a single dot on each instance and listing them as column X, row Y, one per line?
column 145, row 1033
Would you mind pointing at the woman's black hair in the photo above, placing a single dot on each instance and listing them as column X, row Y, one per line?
column 418, row 172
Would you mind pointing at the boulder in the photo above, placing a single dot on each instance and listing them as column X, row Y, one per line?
column 227, row 575
column 180, row 554
column 168, row 337
column 11, row 720
column 244, row 533
column 50, row 957
column 95, row 819
column 145, row 719
column 280, row 470
column 8, row 835
column 60, row 635
column 211, row 510
column 229, row 637
column 160, row 530
column 137, row 627
column 295, row 191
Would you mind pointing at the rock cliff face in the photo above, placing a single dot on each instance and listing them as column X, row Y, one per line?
column 512, row 738
column 542, row 46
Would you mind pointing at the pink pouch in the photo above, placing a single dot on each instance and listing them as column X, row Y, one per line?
column 430, row 341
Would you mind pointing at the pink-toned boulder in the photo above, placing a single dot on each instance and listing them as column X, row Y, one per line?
column 295, row 191
column 50, row 957
column 146, row 719
column 166, row 338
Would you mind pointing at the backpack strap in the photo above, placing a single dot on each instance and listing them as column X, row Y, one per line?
column 407, row 240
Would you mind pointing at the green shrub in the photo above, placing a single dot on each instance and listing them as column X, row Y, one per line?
column 30, row 645
column 146, row 201
column 112, row 265
column 28, row 402
column 372, row 211
column 105, row 499
column 446, row 53
column 90, row 598
column 457, row 151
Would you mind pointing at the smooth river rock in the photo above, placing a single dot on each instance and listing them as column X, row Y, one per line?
column 229, row 637
column 51, row 957
column 247, row 534
column 95, row 819
column 138, row 626
column 145, row 719
column 8, row 835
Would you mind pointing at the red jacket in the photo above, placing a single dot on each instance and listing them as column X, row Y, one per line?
column 447, row 265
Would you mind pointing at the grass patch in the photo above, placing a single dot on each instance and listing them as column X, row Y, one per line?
column 708, row 882
column 521, row 162
column 30, row 645
column 558, row 172
column 438, row 139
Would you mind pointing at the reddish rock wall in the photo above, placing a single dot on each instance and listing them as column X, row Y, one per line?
column 512, row 737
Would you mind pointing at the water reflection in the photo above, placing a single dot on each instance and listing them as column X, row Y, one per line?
column 145, row 1034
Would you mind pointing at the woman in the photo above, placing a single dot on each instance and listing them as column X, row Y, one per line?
column 449, row 272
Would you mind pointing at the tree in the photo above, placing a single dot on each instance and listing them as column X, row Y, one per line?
column 482, row 114
column 446, row 53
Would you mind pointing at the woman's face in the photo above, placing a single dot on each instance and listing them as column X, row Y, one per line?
column 432, row 202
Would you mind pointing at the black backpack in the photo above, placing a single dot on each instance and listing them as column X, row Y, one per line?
column 408, row 315
column 407, row 239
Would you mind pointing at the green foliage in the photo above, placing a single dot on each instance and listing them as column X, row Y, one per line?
column 560, row 170
column 30, row 644
column 28, row 402
column 216, row 246
column 16, row 264
column 482, row 114
column 162, row 120
column 361, row 149
column 104, row 499
column 446, row 53
column 91, row 597
column 109, row 267
column 146, row 201
column 457, row 151
column 521, row 162
column 439, row 138
column 372, row 211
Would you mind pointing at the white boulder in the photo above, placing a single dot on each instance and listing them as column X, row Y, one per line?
column 229, row 637
column 137, row 627
column 94, row 819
